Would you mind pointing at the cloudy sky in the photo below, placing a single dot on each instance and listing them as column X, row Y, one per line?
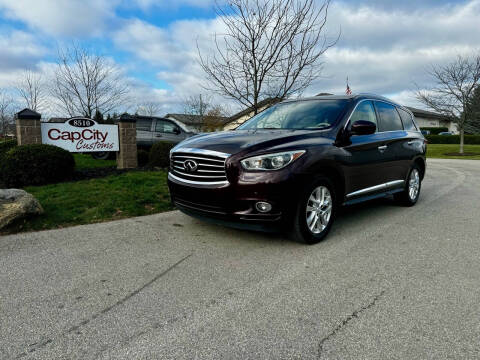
column 385, row 46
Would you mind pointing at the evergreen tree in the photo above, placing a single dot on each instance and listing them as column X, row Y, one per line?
column 98, row 117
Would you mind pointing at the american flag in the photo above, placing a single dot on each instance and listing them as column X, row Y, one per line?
column 348, row 91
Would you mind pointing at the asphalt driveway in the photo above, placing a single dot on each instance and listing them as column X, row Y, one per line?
column 388, row 282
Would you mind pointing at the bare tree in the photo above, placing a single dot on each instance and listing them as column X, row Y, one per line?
column 86, row 82
column 210, row 114
column 7, row 109
column 270, row 49
column 149, row 108
column 197, row 105
column 453, row 89
column 31, row 89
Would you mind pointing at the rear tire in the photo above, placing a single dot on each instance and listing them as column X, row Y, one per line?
column 409, row 196
column 315, row 212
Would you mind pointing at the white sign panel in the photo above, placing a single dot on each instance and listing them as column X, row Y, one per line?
column 81, row 135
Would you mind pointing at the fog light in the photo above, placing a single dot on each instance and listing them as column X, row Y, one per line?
column 263, row 206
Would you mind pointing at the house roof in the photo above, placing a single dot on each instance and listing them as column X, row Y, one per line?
column 428, row 114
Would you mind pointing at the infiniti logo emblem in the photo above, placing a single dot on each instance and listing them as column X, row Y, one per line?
column 190, row 165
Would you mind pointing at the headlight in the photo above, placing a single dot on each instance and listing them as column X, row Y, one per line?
column 271, row 161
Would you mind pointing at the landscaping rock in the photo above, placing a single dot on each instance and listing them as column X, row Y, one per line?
column 16, row 204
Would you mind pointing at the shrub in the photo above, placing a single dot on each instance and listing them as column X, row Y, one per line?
column 435, row 130
column 6, row 145
column 142, row 157
column 160, row 154
column 453, row 139
column 36, row 164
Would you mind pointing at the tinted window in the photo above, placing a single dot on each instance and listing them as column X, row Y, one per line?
column 389, row 119
column 144, row 124
column 364, row 111
column 165, row 126
column 407, row 120
column 310, row 114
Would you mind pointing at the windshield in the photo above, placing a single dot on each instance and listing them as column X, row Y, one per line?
column 308, row 114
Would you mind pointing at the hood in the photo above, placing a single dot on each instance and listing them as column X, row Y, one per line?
column 233, row 142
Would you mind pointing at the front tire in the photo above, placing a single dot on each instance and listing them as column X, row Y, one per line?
column 315, row 212
column 409, row 196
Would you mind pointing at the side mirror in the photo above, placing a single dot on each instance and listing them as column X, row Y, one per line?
column 176, row 131
column 363, row 127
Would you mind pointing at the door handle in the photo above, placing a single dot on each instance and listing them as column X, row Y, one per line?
column 382, row 148
column 158, row 135
column 410, row 142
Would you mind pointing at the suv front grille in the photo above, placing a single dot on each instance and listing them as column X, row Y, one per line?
column 199, row 166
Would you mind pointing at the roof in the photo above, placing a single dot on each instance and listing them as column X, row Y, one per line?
column 28, row 114
column 428, row 114
column 196, row 119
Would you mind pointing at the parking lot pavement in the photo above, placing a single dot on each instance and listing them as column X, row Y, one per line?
column 388, row 282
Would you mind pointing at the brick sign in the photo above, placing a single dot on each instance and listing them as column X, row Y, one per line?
column 81, row 135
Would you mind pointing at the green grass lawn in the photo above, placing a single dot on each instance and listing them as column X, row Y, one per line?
column 439, row 151
column 113, row 197
column 84, row 161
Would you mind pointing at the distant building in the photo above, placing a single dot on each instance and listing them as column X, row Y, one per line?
column 425, row 118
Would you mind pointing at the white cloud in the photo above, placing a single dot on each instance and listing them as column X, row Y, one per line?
column 19, row 50
column 172, row 51
column 62, row 17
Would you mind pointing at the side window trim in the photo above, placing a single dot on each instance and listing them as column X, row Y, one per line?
column 348, row 123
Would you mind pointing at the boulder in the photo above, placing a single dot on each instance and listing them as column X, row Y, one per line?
column 16, row 204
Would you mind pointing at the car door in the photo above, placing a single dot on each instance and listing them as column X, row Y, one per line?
column 391, row 126
column 166, row 130
column 144, row 131
column 364, row 157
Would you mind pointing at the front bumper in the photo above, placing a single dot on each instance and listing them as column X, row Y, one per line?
column 234, row 204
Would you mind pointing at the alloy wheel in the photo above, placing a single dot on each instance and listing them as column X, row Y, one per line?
column 319, row 209
column 413, row 184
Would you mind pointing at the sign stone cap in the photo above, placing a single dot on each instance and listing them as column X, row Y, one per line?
column 28, row 114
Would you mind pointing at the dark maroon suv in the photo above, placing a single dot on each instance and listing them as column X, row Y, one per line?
column 292, row 165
